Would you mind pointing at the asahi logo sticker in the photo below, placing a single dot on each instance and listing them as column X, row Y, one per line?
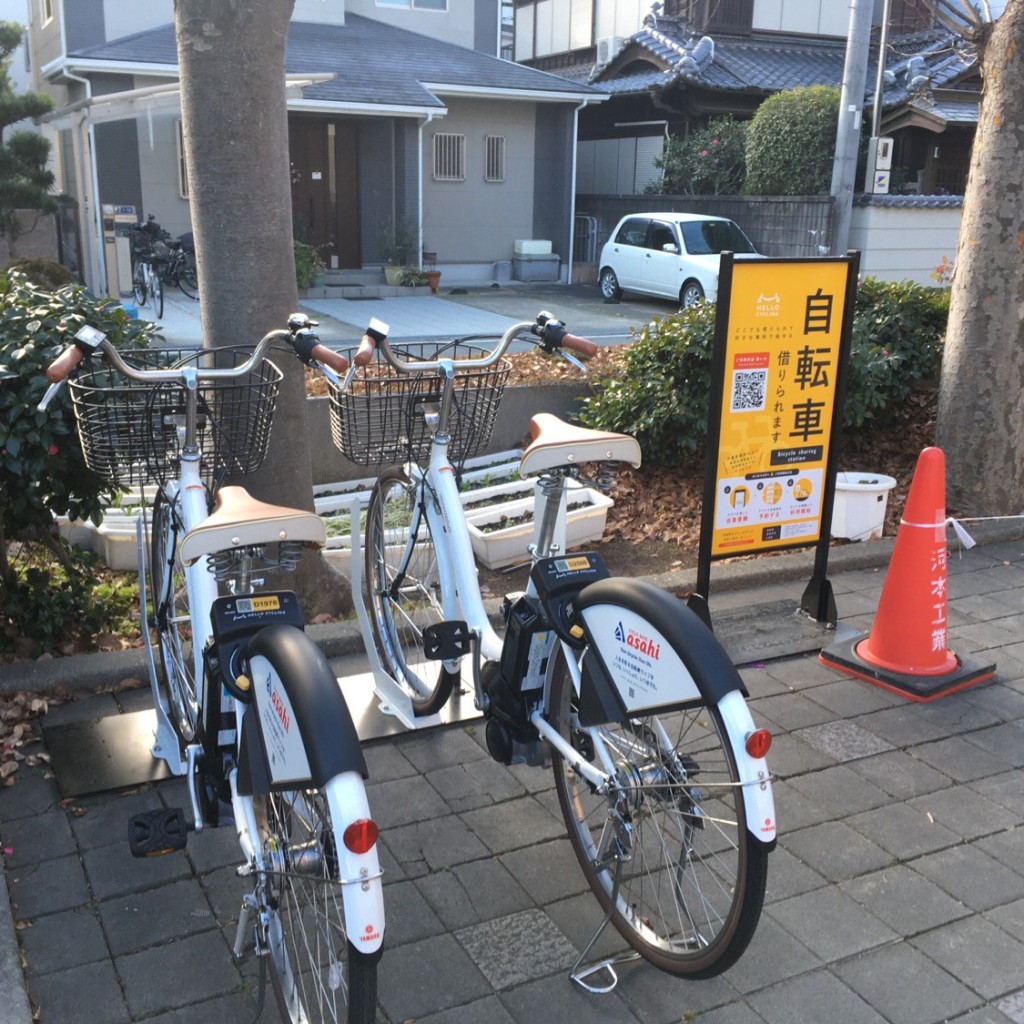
column 642, row 664
column 638, row 642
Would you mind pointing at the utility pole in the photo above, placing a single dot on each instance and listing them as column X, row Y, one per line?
column 851, row 103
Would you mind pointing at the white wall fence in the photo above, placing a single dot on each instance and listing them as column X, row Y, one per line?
column 899, row 237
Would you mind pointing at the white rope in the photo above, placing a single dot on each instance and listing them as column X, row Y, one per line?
column 958, row 528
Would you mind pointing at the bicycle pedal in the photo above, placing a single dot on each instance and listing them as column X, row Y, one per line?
column 446, row 641
column 154, row 833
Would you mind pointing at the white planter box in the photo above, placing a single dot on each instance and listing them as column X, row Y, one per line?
column 501, row 547
column 114, row 540
column 860, row 504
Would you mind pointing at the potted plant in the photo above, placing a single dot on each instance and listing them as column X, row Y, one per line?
column 410, row 277
column 397, row 245
column 309, row 266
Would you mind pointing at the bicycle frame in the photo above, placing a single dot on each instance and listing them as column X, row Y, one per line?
column 188, row 495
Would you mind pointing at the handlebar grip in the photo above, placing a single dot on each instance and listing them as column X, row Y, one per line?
column 59, row 369
column 367, row 345
column 583, row 346
column 376, row 332
column 335, row 360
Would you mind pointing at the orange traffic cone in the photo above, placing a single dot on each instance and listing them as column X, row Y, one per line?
column 906, row 649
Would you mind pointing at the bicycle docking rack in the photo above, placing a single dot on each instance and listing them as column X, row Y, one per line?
column 392, row 699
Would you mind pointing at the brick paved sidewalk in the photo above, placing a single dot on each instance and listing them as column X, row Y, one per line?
column 896, row 892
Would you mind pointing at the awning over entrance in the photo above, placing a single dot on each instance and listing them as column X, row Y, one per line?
column 153, row 99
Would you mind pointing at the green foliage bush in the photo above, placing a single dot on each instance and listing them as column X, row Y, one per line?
column 50, row 604
column 662, row 396
column 42, row 472
column 898, row 329
column 791, row 141
column 42, row 272
column 708, row 161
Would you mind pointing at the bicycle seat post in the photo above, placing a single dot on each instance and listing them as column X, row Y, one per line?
column 552, row 488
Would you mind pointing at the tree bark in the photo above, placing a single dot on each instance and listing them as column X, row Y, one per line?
column 231, row 55
column 980, row 425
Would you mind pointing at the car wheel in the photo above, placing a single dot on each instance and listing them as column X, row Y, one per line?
column 609, row 284
column 690, row 294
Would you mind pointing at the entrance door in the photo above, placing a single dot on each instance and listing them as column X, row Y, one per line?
column 325, row 187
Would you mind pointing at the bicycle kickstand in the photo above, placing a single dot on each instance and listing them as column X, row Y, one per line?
column 580, row 972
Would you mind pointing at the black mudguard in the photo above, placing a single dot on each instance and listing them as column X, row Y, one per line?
column 320, row 712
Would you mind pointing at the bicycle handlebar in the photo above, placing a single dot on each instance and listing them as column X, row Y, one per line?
column 299, row 335
column 552, row 333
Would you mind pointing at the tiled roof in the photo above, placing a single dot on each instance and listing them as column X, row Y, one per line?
column 373, row 63
column 908, row 202
column 667, row 50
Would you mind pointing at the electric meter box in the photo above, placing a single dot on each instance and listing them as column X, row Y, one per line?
column 118, row 222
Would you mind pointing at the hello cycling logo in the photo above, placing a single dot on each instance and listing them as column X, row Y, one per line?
column 638, row 642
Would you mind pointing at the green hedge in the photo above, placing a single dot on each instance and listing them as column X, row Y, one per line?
column 42, row 472
column 662, row 396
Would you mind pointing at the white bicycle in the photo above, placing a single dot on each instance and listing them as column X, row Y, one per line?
column 659, row 769
column 247, row 707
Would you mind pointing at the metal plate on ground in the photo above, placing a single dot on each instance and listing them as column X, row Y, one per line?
column 103, row 754
column 763, row 632
column 373, row 724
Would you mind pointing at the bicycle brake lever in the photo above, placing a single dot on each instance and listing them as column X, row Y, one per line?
column 51, row 393
column 572, row 359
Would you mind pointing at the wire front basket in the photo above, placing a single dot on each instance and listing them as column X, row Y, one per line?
column 379, row 419
column 132, row 431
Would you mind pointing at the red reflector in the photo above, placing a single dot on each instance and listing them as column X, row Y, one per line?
column 759, row 743
column 360, row 835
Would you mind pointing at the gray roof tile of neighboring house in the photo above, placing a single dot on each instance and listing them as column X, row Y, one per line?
column 373, row 63
column 924, row 60
column 931, row 202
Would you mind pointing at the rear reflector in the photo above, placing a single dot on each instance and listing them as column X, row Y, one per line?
column 360, row 836
column 759, row 742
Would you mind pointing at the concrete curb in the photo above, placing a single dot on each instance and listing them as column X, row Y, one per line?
column 92, row 671
column 14, row 1007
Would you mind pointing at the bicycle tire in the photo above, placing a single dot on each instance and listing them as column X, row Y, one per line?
column 139, row 283
column 171, row 621
column 158, row 292
column 186, row 275
column 402, row 590
column 690, row 895
column 316, row 972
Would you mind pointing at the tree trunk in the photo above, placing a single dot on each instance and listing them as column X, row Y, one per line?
column 231, row 55
column 980, row 424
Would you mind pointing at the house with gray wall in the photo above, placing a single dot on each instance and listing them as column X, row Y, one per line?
column 400, row 114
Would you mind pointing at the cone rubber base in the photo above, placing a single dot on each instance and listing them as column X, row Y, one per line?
column 843, row 657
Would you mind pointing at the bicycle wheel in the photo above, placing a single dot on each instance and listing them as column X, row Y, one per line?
column 692, row 877
column 316, row 972
column 139, row 283
column 171, row 620
column 403, row 590
column 157, row 289
column 188, row 279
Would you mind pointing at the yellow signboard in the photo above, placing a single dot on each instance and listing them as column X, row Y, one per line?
column 785, row 322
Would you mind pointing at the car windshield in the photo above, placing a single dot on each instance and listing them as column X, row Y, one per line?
column 706, row 237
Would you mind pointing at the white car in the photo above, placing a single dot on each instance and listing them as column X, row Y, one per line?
column 673, row 255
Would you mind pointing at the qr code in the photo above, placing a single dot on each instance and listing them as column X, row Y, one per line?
column 748, row 390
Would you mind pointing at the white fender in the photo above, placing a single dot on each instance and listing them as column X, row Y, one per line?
column 361, row 890
column 753, row 771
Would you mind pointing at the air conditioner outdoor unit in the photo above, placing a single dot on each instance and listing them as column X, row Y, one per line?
column 607, row 48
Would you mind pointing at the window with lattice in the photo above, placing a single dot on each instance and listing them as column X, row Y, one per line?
column 494, row 158
column 449, row 157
